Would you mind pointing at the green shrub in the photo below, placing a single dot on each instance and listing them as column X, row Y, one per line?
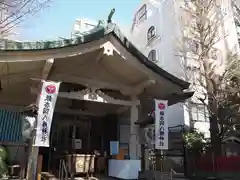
column 3, row 165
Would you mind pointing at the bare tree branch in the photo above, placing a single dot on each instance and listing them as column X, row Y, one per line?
column 218, row 92
column 13, row 13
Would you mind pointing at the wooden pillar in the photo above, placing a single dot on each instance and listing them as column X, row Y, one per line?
column 89, row 136
column 134, row 145
column 142, row 157
column 39, row 167
column 72, row 173
column 24, row 163
column 33, row 150
column 32, row 162
column 73, row 138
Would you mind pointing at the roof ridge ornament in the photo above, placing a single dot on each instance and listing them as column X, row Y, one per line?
column 100, row 23
column 109, row 20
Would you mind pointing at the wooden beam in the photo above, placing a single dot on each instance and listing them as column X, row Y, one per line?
column 133, row 61
column 17, row 144
column 11, row 107
column 47, row 67
column 123, row 109
column 124, row 89
column 145, row 84
column 122, row 52
column 63, row 110
column 94, row 83
column 93, row 95
column 139, row 88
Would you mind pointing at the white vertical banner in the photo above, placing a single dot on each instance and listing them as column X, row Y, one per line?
column 161, row 125
column 47, row 101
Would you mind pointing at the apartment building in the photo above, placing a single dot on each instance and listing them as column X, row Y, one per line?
column 83, row 25
column 157, row 29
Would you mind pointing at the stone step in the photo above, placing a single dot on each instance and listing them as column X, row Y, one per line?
column 179, row 175
column 49, row 176
column 161, row 175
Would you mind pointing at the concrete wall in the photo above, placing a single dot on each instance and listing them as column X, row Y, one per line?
column 165, row 16
column 160, row 15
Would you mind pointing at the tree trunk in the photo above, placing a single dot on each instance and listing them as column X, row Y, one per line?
column 211, row 85
column 214, row 126
column 215, row 138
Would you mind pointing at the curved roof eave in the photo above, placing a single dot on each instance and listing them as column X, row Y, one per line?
column 92, row 35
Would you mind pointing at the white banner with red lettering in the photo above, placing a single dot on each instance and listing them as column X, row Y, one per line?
column 161, row 125
column 47, row 101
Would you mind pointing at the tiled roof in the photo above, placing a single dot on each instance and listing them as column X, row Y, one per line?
column 96, row 33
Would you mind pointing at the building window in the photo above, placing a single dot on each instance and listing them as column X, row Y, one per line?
column 214, row 54
column 192, row 46
column 151, row 33
column 186, row 3
column 152, row 56
column 193, row 74
column 199, row 113
column 142, row 13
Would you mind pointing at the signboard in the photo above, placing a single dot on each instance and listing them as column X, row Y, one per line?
column 161, row 125
column 114, row 148
column 78, row 143
column 47, row 101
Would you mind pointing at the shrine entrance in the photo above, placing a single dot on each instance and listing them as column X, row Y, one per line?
column 101, row 74
column 84, row 127
column 78, row 134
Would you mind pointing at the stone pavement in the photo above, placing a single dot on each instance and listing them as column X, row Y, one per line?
column 77, row 178
column 102, row 177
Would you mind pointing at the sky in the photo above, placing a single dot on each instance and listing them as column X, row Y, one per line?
column 58, row 19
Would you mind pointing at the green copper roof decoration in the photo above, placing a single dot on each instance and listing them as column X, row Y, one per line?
column 96, row 33
column 92, row 35
column 111, row 15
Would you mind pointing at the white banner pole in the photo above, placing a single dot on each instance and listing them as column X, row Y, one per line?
column 46, row 107
column 161, row 125
column 33, row 152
